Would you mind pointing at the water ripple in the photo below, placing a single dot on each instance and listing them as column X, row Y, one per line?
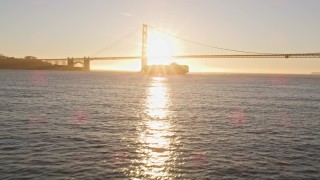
column 74, row 125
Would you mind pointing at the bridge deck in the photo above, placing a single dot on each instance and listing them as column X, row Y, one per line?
column 307, row 55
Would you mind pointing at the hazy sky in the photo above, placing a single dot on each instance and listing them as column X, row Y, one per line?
column 62, row 28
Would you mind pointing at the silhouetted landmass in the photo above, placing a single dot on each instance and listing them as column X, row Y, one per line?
column 32, row 63
column 315, row 73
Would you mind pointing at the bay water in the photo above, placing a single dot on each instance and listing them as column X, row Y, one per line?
column 106, row 125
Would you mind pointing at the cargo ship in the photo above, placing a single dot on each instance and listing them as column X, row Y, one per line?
column 171, row 69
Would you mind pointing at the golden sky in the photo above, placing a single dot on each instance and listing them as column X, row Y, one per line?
column 77, row 28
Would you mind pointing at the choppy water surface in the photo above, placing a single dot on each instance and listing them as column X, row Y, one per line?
column 64, row 125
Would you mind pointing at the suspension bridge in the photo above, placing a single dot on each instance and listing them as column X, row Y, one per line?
column 138, row 44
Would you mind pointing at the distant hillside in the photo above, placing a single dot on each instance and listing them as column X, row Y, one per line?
column 315, row 73
column 28, row 63
column 32, row 63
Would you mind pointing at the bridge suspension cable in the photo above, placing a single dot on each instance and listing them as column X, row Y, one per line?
column 127, row 36
column 133, row 36
column 211, row 46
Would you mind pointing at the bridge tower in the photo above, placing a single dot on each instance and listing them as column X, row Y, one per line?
column 70, row 62
column 144, row 56
column 86, row 64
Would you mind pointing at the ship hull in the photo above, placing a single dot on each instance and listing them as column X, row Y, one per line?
column 172, row 69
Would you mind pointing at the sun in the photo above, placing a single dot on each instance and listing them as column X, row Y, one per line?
column 160, row 49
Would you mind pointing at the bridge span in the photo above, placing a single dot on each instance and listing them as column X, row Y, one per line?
column 214, row 56
column 144, row 57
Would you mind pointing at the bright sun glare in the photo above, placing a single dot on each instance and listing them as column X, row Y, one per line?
column 160, row 49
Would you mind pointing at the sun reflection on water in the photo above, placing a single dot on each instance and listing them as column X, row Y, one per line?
column 155, row 137
column 157, row 100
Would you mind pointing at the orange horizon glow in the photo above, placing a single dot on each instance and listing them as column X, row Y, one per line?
column 135, row 66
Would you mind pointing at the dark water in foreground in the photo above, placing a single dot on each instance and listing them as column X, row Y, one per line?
column 64, row 125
